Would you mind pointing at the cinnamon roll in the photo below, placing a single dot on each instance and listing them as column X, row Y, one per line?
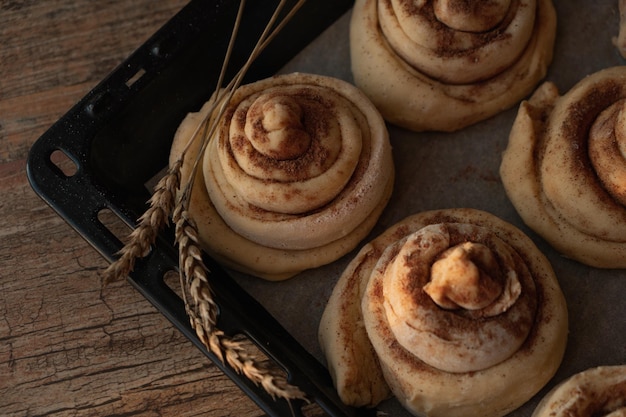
column 295, row 175
column 564, row 168
column 445, row 64
column 455, row 312
column 597, row 392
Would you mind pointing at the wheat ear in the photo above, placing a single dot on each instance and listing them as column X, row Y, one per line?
column 149, row 224
column 202, row 312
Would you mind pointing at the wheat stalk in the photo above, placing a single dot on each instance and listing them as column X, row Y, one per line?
column 149, row 225
column 171, row 198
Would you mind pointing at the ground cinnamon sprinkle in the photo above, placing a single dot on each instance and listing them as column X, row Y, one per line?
column 315, row 124
column 465, row 6
column 445, row 36
column 580, row 118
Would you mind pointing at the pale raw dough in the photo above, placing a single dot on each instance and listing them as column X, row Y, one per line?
column 295, row 175
column 597, row 391
column 486, row 336
column 439, row 66
column 564, row 168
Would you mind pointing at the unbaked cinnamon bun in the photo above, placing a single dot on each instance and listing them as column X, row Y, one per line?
column 295, row 175
column 455, row 312
column 564, row 168
column 445, row 64
column 598, row 392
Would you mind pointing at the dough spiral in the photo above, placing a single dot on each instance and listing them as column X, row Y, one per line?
column 295, row 175
column 455, row 312
column 597, row 392
column 564, row 168
column 445, row 64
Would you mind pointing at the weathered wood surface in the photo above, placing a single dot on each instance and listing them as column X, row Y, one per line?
column 66, row 346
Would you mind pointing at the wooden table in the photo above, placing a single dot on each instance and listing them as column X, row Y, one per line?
column 68, row 347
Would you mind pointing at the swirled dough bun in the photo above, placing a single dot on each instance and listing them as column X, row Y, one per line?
column 446, row 64
column 598, row 392
column 295, row 175
column 564, row 168
column 455, row 312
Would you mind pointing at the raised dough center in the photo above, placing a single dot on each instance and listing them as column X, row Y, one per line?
column 471, row 15
column 465, row 277
column 278, row 129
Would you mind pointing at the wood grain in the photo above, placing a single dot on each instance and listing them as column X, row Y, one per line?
column 68, row 348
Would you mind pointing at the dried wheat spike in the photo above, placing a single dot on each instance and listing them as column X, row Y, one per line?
column 150, row 222
column 202, row 312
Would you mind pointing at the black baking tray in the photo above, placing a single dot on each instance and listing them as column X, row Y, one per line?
column 118, row 137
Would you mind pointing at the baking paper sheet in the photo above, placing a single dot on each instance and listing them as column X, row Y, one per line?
column 442, row 170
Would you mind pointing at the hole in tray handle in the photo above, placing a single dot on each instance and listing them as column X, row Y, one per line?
column 114, row 224
column 132, row 80
column 64, row 163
